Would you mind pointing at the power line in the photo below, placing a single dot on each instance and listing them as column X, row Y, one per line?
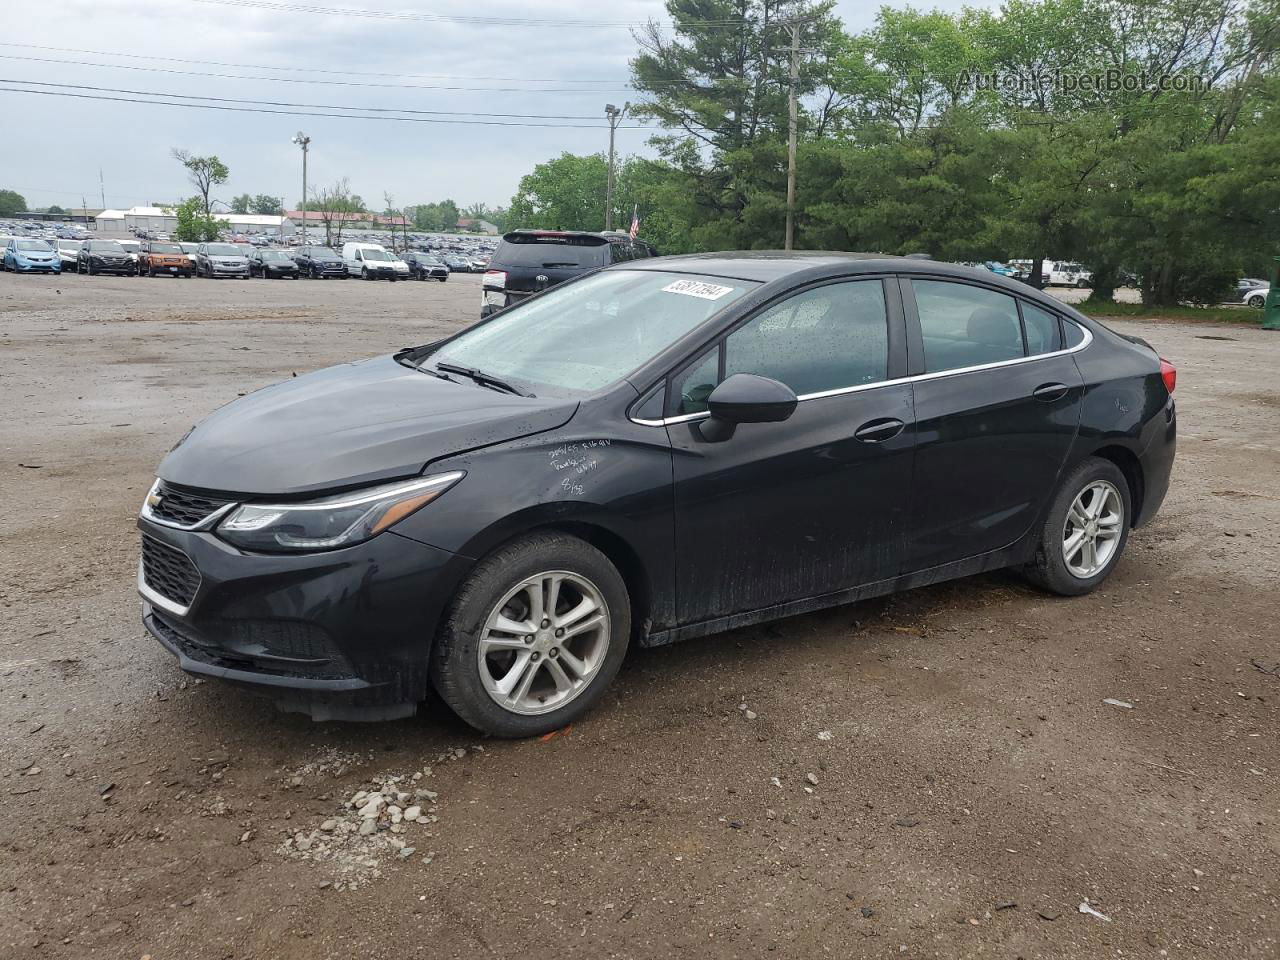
column 310, row 106
column 293, row 113
column 340, row 73
column 338, row 83
column 467, row 19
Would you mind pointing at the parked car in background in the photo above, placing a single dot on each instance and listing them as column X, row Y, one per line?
column 316, row 261
column 157, row 258
column 369, row 261
column 1252, row 292
column 132, row 248
column 104, row 256
column 999, row 269
column 221, row 260
column 528, row 261
column 23, row 255
column 67, row 251
column 272, row 265
column 189, row 251
column 501, row 514
column 457, row 263
column 426, row 266
column 401, row 268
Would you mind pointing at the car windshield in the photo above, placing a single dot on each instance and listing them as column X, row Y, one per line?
column 274, row 255
column 586, row 335
column 376, row 255
column 69, row 244
column 321, row 253
column 105, row 246
column 165, row 248
column 34, row 245
column 222, row 250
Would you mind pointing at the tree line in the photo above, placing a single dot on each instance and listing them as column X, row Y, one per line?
column 1135, row 136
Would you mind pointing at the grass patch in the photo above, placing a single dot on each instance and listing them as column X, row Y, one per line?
column 1245, row 316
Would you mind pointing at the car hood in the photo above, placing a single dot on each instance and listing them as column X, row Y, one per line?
column 348, row 425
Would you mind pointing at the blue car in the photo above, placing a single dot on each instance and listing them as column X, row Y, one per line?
column 999, row 269
column 31, row 256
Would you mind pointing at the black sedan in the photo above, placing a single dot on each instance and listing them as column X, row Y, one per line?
column 425, row 266
column 272, row 265
column 658, row 450
column 319, row 262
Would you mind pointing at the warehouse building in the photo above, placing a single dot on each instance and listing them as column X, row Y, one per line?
column 163, row 220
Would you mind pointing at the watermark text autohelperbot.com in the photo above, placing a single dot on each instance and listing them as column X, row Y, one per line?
column 1112, row 80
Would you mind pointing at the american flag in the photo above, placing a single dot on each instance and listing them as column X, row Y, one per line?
column 635, row 221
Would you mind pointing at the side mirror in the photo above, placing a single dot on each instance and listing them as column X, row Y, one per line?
column 746, row 398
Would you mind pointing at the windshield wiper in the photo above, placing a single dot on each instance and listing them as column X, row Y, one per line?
column 484, row 379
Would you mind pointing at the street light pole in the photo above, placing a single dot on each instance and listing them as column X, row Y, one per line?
column 615, row 116
column 302, row 140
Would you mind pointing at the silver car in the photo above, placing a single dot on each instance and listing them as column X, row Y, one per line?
column 221, row 260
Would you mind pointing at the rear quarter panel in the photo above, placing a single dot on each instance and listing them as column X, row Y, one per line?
column 1126, row 405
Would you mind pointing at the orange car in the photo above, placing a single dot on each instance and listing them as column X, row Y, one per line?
column 157, row 258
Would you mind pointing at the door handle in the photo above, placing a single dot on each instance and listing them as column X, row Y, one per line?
column 878, row 431
column 1048, row 392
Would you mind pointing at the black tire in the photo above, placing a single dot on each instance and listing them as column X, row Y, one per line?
column 364, row 273
column 1082, row 284
column 1257, row 302
column 455, row 670
column 1049, row 568
column 92, row 272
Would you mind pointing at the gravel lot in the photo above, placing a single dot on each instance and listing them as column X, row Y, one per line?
column 970, row 787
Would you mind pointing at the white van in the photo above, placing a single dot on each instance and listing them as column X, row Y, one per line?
column 369, row 261
column 1063, row 273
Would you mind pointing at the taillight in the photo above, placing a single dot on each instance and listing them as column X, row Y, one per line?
column 495, row 278
column 1168, row 373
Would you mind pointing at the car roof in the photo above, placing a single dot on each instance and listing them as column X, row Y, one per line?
column 794, row 267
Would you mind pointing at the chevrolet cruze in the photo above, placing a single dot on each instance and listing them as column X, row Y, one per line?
column 658, row 450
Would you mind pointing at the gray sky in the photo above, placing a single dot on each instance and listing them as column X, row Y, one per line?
column 53, row 147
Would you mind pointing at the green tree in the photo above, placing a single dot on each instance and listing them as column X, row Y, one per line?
column 56, row 210
column 434, row 217
column 241, row 204
column 11, row 202
column 205, row 173
column 566, row 193
column 265, row 205
column 194, row 225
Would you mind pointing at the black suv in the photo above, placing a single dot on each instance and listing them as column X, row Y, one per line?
column 104, row 256
column 528, row 261
column 319, row 262
column 425, row 266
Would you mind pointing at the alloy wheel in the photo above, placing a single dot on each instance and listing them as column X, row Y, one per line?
column 1092, row 530
column 544, row 642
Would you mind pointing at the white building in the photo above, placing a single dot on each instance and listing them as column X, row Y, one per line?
column 162, row 219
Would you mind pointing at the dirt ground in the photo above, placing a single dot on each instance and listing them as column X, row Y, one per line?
column 973, row 789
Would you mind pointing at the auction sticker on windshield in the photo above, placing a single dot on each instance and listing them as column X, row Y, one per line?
column 696, row 288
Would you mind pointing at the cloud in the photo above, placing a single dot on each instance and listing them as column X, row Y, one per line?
column 56, row 146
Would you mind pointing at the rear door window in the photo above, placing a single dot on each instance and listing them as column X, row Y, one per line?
column 966, row 326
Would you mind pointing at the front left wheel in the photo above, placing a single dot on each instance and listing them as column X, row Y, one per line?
column 533, row 637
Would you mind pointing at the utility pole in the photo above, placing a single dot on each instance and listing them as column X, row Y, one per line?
column 102, row 188
column 794, row 27
column 302, row 140
column 615, row 116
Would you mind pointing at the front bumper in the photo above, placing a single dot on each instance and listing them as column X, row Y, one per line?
column 27, row 266
column 220, row 270
column 341, row 634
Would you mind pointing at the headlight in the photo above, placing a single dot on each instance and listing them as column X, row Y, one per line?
column 332, row 522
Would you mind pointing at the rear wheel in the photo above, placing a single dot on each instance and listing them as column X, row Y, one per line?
column 1085, row 531
column 1257, row 302
column 533, row 637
